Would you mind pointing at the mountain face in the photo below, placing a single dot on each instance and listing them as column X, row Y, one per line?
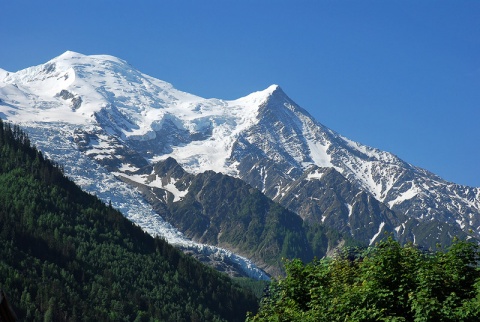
column 291, row 141
column 107, row 122
column 221, row 210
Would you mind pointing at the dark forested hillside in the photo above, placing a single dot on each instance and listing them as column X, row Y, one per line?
column 65, row 256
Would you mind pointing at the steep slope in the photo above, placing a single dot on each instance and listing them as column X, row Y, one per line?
column 217, row 209
column 221, row 210
column 286, row 141
column 99, row 113
column 338, row 203
column 66, row 256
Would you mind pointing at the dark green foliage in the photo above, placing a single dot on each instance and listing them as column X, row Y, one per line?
column 257, row 287
column 65, row 256
column 321, row 238
column 386, row 282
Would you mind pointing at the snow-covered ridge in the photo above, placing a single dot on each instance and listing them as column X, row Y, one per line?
column 263, row 138
column 3, row 74
column 136, row 106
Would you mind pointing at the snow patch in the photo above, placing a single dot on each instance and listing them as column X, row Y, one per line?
column 350, row 209
column 316, row 175
column 407, row 195
column 127, row 167
column 380, row 227
column 170, row 187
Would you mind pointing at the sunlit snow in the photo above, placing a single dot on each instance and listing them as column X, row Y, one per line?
column 378, row 233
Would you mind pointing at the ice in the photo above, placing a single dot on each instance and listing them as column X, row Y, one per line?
column 93, row 178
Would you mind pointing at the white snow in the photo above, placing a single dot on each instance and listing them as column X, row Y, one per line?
column 316, row 175
column 127, row 167
column 170, row 187
column 318, row 153
column 227, row 119
column 103, row 81
column 350, row 209
column 409, row 194
column 3, row 74
column 380, row 227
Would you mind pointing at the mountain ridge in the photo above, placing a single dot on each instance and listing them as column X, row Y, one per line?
column 104, row 119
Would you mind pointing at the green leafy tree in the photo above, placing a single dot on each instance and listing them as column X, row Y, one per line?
column 387, row 282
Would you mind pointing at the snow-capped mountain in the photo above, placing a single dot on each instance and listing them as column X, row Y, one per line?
column 294, row 141
column 104, row 120
column 57, row 106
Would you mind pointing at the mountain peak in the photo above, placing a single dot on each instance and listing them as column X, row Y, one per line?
column 69, row 55
column 117, row 115
column 3, row 73
column 272, row 88
column 259, row 97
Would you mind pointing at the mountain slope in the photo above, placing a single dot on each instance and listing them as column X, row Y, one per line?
column 220, row 210
column 103, row 120
column 286, row 141
column 338, row 203
column 66, row 256
column 217, row 209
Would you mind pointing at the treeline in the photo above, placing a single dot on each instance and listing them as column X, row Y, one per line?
column 387, row 282
column 65, row 256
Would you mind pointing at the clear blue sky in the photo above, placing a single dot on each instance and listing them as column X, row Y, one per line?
column 402, row 76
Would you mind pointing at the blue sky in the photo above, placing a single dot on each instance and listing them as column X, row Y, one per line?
column 402, row 76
